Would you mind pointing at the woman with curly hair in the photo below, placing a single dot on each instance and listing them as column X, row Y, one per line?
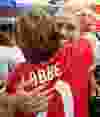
column 40, row 36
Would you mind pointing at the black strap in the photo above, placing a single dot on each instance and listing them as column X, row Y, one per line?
column 98, row 36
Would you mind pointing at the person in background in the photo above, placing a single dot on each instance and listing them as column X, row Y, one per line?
column 87, row 24
column 85, row 11
column 88, row 18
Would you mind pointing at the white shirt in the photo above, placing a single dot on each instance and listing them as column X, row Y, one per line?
column 11, row 55
column 97, row 52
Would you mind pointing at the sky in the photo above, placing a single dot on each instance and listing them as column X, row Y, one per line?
column 6, row 3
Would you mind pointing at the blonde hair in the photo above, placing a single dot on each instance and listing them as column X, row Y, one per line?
column 73, row 9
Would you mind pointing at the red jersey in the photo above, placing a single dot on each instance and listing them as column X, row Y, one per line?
column 71, row 65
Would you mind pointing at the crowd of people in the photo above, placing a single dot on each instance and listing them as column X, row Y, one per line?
column 48, row 65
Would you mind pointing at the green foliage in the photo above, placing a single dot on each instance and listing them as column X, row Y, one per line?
column 3, row 68
column 97, row 1
column 40, row 8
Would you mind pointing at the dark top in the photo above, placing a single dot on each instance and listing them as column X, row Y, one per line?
column 36, row 55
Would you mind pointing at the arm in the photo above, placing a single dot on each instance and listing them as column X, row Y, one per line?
column 7, row 105
column 92, row 63
column 92, row 68
column 29, row 101
column 92, row 93
column 32, row 104
column 92, row 80
column 64, row 89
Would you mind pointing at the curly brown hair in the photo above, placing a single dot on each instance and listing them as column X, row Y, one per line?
column 36, row 34
column 7, row 39
column 41, row 31
column 32, row 31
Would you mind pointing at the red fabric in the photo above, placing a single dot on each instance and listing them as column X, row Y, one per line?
column 74, row 60
column 98, row 9
column 7, row 12
column 56, row 104
column 98, row 25
column 21, row 114
column 77, row 75
column 11, row 89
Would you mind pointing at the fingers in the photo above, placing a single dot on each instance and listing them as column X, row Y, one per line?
column 43, row 81
column 40, row 100
column 41, row 108
column 47, row 92
column 34, row 104
column 27, row 87
column 42, row 105
column 63, row 88
column 36, row 91
column 31, row 81
column 23, row 93
column 40, row 82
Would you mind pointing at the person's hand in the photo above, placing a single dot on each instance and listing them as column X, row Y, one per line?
column 32, row 104
column 26, row 88
column 33, row 99
column 63, row 88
